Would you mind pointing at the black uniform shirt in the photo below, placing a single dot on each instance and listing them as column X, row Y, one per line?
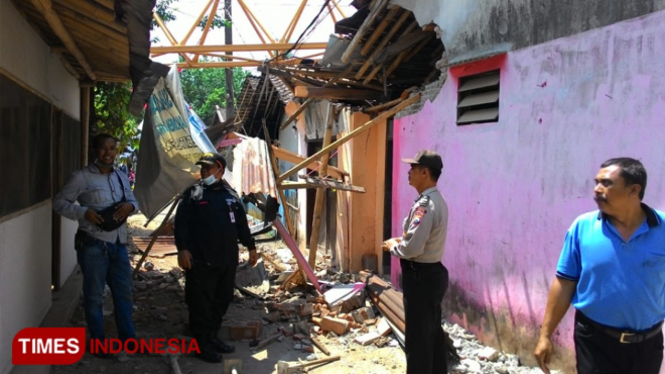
column 209, row 222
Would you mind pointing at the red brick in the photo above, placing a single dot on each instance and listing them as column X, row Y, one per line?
column 336, row 325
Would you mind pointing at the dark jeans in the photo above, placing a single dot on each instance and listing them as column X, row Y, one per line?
column 424, row 286
column 208, row 293
column 100, row 263
column 598, row 353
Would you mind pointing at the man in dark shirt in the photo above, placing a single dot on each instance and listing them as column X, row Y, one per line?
column 208, row 224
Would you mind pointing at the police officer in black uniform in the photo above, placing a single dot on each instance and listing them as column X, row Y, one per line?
column 208, row 224
column 424, row 278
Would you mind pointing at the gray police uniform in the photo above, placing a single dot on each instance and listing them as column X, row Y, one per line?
column 424, row 229
column 424, row 282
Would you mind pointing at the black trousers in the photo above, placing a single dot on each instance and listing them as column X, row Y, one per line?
column 598, row 353
column 208, row 294
column 424, row 286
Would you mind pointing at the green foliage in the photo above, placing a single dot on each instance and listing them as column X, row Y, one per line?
column 165, row 12
column 205, row 88
column 217, row 22
column 110, row 114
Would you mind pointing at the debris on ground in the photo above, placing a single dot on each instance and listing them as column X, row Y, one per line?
column 273, row 321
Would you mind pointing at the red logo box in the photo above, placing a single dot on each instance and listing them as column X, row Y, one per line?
column 48, row 346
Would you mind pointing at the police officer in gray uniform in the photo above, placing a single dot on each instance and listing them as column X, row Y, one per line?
column 424, row 278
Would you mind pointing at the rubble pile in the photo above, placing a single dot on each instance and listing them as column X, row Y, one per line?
column 347, row 328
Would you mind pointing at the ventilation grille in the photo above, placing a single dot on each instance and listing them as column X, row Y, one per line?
column 478, row 98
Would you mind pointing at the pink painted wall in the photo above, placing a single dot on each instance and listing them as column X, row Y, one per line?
column 514, row 187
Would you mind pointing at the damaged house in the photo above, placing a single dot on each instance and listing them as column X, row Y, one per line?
column 522, row 100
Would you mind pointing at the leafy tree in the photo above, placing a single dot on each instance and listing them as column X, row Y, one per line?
column 205, row 88
column 110, row 114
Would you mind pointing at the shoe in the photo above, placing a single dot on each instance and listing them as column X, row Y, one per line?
column 208, row 355
column 220, row 346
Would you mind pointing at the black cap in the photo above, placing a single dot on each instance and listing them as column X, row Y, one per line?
column 427, row 158
column 212, row 159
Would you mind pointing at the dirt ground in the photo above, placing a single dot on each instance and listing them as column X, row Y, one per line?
column 160, row 312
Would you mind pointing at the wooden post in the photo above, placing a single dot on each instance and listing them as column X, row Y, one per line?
column 320, row 192
column 351, row 135
column 275, row 170
column 85, row 124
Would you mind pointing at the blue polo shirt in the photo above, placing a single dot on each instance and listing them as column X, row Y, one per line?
column 620, row 283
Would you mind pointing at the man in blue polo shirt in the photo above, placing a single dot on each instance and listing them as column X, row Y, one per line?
column 612, row 270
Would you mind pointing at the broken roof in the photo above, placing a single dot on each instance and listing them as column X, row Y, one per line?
column 382, row 52
column 101, row 40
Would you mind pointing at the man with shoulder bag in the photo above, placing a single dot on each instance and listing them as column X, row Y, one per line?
column 105, row 201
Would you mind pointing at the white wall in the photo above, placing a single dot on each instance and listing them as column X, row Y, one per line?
column 67, row 252
column 25, row 241
column 25, row 275
column 25, row 56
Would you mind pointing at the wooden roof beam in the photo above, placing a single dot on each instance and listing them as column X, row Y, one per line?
column 334, row 93
column 379, row 30
column 394, row 28
column 93, row 11
column 373, row 14
column 45, row 7
column 233, row 47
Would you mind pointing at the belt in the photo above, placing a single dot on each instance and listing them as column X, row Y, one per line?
column 418, row 265
column 624, row 336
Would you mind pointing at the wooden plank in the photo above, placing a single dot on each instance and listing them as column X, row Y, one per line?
column 366, row 126
column 320, row 194
column 46, row 9
column 379, row 30
column 321, row 183
column 346, row 56
column 337, row 93
column 288, row 185
column 383, row 106
column 291, row 157
column 93, row 12
column 384, row 42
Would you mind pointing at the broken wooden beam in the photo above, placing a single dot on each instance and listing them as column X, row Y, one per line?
column 334, row 93
column 291, row 157
column 320, row 183
column 366, row 126
column 379, row 29
column 373, row 14
column 319, row 344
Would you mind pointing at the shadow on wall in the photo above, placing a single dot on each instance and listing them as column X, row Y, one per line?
column 502, row 329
